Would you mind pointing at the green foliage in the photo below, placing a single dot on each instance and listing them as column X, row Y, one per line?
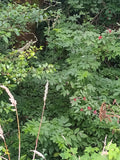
column 80, row 59
column 112, row 152
column 61, row 134
column 101, row 13
column 15, row 19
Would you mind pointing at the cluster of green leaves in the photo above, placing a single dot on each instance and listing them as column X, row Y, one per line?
column 110, row 152
column 81, row 56
column 58, row 132
column 16, row 65
column 82, row 66
column 101, row 13
column 16, row 18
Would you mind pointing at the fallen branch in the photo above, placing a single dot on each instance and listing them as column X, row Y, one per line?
column 26, row 46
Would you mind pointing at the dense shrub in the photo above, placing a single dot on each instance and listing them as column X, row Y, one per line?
column 80, row 60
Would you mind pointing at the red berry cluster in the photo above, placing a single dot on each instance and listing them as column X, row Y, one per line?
column 89, row 108
column 109, row 31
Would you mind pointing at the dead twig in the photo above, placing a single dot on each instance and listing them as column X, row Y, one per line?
column 3, row 158
column 50, row 7
column 55, row 21
column 97, row 15
column 28, row 44
column 2, row 136
column 44, row 99
column 104, row 151
column 38, row 153
column 14, row 103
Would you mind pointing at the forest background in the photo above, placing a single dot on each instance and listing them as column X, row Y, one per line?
column 70, row 49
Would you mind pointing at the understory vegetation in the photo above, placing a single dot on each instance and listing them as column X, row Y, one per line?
column 59, row 80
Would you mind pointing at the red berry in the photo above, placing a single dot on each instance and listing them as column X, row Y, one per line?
column 74, row 99
column 100, row 37
column 95, row 112
column 89, row 108
column 109, row 30
column 84, row 98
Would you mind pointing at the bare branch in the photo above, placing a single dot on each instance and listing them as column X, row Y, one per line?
column 3, row 158
column 97, row 15
column 44, row 99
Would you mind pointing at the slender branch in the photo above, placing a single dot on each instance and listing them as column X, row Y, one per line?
column 2, row 136
column 49, row 7
column 97, row 15
column 109, row 143
column 104, row 151
column 44, row 99
column 14, row 103
column 3, row 158
column 26, row 46
column 6, row 149
column 18, row 132
column 53, row 25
